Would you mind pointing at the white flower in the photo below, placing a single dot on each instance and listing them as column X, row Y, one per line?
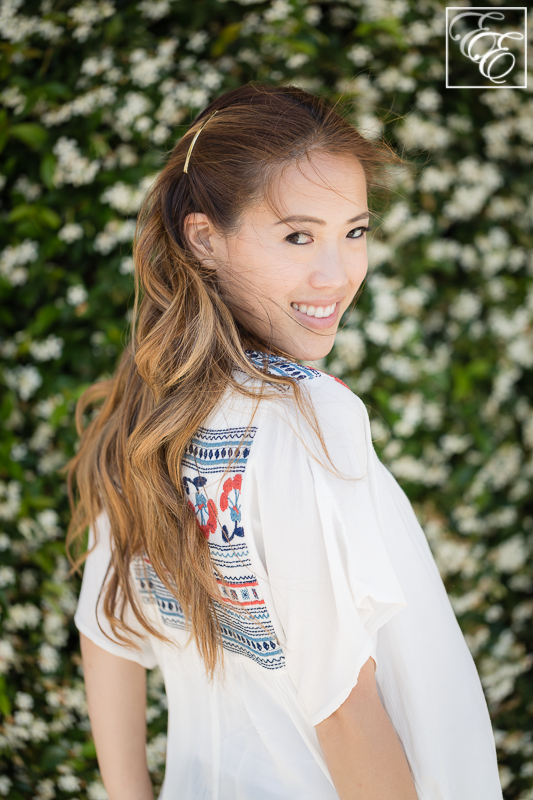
column 24, row 701
column 411, row 300
column 23, row 616
column 96, row 65
column 417, row 132
column 154, row 10
column 87, row 14
column 55, row 629
column 48, row 660
column 452, row 443
column 428, row 99
column 127, row 199
column 400, row 367
column 16, row 27
column 24, row 380
column 350, row 347
column 69, row 783
column 9, row 499
column 370, row 126
column 18, row 451
column 114, row 233
column 478, row 639
column 384, row 297
column 76, row 295
column 377, row 332
column 13, row 259
column 7, row 655
column 436, row 179
column 44, row 408
column 31, row 191
column 393, row 80
column 82, row 105
column 71, row 232
column 47, row 350
column 5, row 785
column 418, row 33
column 359, row 54
column 156, row 752
column 511, row 555
column 126, row 266
column 48, row 520
column 450, row 555
column 499, row 471
column 466, row 306
column 50, row 462
column 443, row 250
column 297, row 60
column 7, row 577
column 39, row 730
column 96, row 791
column 72, row 167
column 13, row 98
column 278, row 10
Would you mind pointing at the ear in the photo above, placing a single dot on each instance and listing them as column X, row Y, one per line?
column 199, row 234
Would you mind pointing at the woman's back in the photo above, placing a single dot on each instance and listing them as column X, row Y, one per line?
column 318, row 570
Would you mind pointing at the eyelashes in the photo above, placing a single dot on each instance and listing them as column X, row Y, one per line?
column 362, row 228
column 365, row 229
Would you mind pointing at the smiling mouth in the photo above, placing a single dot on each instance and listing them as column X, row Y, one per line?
column 319, row 312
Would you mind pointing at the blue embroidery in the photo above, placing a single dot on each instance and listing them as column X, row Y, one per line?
column 280, row 366
column 208, row 455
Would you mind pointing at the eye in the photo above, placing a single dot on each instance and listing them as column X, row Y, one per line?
column 291, row 237
column 358, row 231
column 362, row 230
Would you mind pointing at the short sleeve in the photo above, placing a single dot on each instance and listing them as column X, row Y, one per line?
column 331, row 577
column 85, row 618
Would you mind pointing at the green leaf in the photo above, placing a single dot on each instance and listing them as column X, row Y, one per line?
column 89, row 750
column 4, row 126
column 5, row 703
column 41, row 214
column 228, row 35
column 52, row 756
column 47, row 169
column 30, row 133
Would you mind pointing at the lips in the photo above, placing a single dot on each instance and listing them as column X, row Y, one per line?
column 314, row 321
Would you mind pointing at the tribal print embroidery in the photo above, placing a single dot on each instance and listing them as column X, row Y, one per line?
column 219, row 519
column 280, row 366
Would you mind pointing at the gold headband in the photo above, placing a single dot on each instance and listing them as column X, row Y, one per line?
column 186, row 167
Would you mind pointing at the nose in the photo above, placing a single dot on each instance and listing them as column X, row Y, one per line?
column 332, row 270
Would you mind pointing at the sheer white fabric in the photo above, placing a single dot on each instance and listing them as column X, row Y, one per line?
column 334, row 569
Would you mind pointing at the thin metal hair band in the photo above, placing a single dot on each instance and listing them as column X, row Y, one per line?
column 186, row 166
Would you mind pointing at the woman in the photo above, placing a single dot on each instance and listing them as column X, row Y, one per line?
column 246, row 537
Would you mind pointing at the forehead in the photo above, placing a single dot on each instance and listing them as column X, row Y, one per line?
column 324, row 186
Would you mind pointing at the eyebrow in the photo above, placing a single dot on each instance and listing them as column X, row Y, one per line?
column 316, row 221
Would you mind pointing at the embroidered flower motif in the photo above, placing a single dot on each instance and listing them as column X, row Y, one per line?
column 205, row 510
column 230, row 498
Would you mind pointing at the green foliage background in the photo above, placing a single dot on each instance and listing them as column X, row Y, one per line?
column 440, row 347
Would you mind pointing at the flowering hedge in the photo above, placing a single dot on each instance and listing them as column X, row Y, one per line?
column 440, row 346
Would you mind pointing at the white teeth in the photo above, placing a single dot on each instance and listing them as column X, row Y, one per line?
column 319, row 312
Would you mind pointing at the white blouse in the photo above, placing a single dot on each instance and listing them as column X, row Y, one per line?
column 329, row 569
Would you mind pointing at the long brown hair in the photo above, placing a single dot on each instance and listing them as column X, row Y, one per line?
column 185, row 345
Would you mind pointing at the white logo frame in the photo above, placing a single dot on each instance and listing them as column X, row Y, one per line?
column 492, row 12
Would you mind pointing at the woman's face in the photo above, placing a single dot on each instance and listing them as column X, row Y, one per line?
column 289, row 275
